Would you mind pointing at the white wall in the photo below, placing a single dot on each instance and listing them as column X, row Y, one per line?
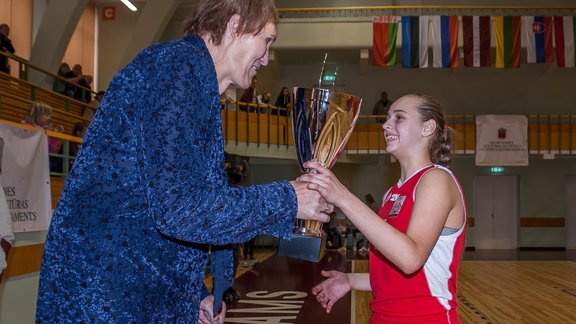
column 112, row 39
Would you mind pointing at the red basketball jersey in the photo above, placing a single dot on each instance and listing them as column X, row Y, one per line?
column 429, row 294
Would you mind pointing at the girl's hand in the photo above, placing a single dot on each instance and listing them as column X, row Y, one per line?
column 219, row 319
column 205, row 315
column 332, row 289
column 325, row 182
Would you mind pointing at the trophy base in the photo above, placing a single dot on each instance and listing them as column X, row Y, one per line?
column 307, row 248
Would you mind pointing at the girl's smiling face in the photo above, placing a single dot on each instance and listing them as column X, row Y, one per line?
column 403, row 127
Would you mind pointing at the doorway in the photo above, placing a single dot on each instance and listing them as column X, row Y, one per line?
column 496, row 212
column 570, row 220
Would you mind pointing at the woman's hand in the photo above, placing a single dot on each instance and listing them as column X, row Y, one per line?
column 332, row 289
column 325, row 182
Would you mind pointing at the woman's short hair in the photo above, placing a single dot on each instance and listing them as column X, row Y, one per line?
column 211, row 17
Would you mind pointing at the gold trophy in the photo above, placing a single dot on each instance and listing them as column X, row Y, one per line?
column 322, row 121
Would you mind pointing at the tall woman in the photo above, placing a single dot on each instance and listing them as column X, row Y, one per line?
column 418, row 234
column 148, row 192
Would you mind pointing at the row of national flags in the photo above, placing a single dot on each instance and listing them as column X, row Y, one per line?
column 441, row 33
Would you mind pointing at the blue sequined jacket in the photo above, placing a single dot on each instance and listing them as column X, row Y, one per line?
column 147, row 195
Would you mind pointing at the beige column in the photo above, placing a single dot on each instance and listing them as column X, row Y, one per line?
column 54, row 33
column 150, row 26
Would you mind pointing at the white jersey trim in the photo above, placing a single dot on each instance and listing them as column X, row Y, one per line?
column 437, row 267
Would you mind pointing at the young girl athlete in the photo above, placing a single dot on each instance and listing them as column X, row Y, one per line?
column 418, row 235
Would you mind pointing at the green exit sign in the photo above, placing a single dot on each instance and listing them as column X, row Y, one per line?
column 330, row 78
column 496, row 170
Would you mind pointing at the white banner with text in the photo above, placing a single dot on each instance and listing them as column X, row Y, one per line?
column 25, row 178
column 501, row 140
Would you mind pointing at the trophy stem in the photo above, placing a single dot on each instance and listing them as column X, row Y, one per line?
column 310, row 228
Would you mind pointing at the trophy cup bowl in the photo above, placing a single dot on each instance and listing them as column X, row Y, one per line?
column 322, row 121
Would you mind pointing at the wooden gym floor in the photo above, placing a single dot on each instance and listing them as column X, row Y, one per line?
column 494, row 287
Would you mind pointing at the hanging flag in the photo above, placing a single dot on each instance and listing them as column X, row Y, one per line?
column 507, row 31
column 445, row 41
column 414, row 41
column 538, row 32
column 564, row 31
column 476, row 36
column 384, row 31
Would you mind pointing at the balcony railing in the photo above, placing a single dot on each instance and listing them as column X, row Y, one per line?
column 264, row 125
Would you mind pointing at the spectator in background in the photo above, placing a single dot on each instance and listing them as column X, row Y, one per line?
column 364, row 245
column 249, row 95
column 381, row 107
column 6, row 47
column 333, row 239
column 371, row 202
column 84, row 81
column 283, row 101
column 350, row 231
column 264, row 101
column 228, row 98
column 248, row 249
column 265, row 98
column 79, row 130
column 93, row 106
column 69, row 79
column 284, row 98
column 40, row 116
column 64, row 84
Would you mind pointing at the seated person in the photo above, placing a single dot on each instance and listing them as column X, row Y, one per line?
column 78, row 131
column 264, row 101
column 64, row 84
column 40, row 116
column 93, row 106
column 283, row 101
column 82, row 93
column 68, row 80
column 333, row 239
column 351, row 230
column 249, row 95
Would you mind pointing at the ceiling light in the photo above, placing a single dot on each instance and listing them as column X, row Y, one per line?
column 129, row 5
